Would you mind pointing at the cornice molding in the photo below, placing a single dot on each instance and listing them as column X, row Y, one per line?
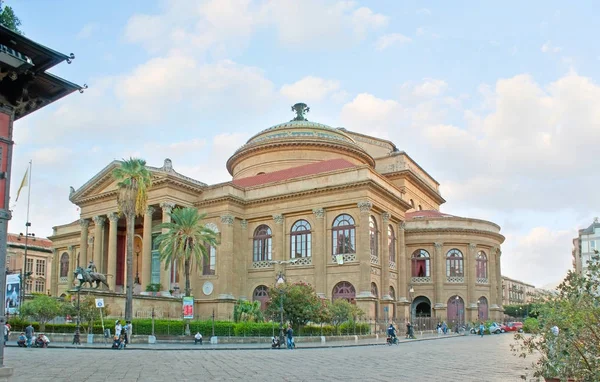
column 432, row 192
column 492, row 235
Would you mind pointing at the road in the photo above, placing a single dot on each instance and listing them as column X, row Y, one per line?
column 468, row 358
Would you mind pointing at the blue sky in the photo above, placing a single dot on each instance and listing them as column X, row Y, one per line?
column 497, row 101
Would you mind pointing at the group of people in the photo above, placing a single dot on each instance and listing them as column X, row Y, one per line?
column 26, row 338
column 442, row 327
column 122, row 335
column 289, row 335
column 391, row 331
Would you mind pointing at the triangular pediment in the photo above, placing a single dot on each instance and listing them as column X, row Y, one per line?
column 103, row 182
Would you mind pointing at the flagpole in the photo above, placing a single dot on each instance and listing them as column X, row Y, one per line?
column 27, row 225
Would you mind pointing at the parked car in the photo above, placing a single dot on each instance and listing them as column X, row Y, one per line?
column 513, row 327
column 495, row 328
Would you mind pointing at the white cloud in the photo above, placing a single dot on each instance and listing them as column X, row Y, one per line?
column 369, row 114
column 430, row 87
column 309, row 89
column 549, row 48
column 385, row 41
column 86, row 31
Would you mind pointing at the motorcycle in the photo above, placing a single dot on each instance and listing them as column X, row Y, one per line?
column 392, row 340
column 275, row 343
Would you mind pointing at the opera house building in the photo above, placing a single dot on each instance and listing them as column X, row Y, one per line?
column 350, row 214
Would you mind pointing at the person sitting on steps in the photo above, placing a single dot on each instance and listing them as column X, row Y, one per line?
column 198, row 338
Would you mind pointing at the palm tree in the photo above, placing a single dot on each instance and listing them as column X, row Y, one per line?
column 186, row 241
column 133, row 181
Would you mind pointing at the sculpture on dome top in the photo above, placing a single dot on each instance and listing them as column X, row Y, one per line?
column 300, row 109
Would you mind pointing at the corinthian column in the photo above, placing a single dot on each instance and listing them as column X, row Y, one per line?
column 99, row 242
column 493, row 279
column 243, row 261
column 498, row 277
column 225, row 258
column 83, row 242
column 403, row 265
column 165, row 274
column 72, row 266
column 111, row 266
column 278, row 238
column 471, row 265
column 363, row 252
column 147, row 247
column 318, row 254
column 440, row 275
column 385, row 257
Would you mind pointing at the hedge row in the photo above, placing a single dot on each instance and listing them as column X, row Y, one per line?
column 221, row 328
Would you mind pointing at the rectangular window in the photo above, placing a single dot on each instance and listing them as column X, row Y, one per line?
column 29, row 265
column 40, row 286
column 209, row 265
column 593, row 244
column 40, row 267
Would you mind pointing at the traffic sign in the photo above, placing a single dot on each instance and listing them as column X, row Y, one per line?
column 99, row 303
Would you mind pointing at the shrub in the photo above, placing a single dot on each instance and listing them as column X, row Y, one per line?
column 531, row 325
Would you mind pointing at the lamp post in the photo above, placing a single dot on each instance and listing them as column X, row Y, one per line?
column 279, row 283
column 478, row 312
column 411, row 292
column 137, row 265
column 28, row 272
column 76, row 336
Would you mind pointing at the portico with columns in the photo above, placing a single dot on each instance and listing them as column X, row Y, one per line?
column 342, row 211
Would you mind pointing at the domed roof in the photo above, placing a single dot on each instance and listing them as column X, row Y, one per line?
column 300, row 127
column 310, row 142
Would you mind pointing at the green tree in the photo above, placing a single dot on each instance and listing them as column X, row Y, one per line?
column 42, row 309
column 300, row 303
column 575, row 311
column 246, row 311
column 133, row 181
column 343, row 311
column 9, row 19
column 186, row 241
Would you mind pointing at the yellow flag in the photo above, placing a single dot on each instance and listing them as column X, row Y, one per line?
column 23, row 184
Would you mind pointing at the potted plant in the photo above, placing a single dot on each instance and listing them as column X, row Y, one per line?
column 154, row 288
column 568, row 342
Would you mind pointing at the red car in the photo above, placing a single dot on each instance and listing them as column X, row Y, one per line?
column 513, row 327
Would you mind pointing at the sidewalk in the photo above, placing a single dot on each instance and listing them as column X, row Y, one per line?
column 168, row 346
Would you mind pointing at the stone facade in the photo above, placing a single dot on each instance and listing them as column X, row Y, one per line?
column 515, row 292
column 39, row 261
column 340, row 210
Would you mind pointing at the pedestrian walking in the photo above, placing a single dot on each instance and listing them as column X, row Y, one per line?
column 290, row 337
column 481, row 328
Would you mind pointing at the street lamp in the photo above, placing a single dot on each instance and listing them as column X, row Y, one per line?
column 279, row 283
column 478, row 311
column 28, row 272
column 411, row 292
column 137, row 265
column 76, row 339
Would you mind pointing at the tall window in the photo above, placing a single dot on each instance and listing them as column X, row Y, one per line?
column 454, row 263
column 40, row 267
column 412, row 203
column 300, row 239
column 209, row 263
column 262, row 243
column 482, row 272
column 343, row 235
column 374, row 291
column 392, row 243
column 392, row 293
column 40, row 285
column 28, row 285
column 373, row 235
column 64, row 265
column 29, row 265
column 420, row 263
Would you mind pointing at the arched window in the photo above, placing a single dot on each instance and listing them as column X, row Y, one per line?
column 420, row 263
column 374, row 291
column 454, row 263
column 392, row 243
column 262, row 243
column 344, row 290
column 209, row 263
column 412, row 203
column 420, row 208
column 482, row 272
column 64, row 265
column 392, row 293
column 343, row 235
column 261, row 293
column 373, row 236
column 300, row 239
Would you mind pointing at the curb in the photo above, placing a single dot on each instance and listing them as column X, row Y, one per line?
column 227, row 347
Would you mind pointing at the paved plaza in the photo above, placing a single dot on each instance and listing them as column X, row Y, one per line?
column 468, row 358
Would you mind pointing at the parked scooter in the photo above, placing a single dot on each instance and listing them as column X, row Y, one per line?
column 275, row 343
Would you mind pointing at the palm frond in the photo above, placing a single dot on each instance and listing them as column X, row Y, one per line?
column 133, row 181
